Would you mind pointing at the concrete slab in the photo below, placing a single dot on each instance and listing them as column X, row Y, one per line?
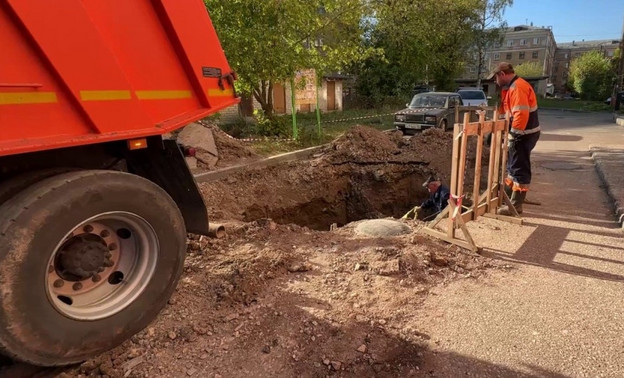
column 201, row 138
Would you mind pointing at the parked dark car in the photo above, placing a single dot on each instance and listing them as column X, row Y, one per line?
column 427, row 110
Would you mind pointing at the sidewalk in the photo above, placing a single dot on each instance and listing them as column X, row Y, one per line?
column 558, row 312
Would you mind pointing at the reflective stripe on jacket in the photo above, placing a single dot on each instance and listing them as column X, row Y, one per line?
column 520, row 102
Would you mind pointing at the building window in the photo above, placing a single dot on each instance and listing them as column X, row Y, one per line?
column 510, row 43
column 567, row 65
column 576, row 55
column 473, row 69
column 536, row 41
column 521, row 55
column 496, row 56
column 535, row 54
column 566, row 55
column 522, row 42
column 508, row 56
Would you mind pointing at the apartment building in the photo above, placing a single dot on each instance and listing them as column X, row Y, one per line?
column 567, row 52
column 521, row 44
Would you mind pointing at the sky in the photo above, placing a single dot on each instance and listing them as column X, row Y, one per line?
column 571, row 20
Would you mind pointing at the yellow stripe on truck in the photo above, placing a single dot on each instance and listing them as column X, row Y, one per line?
column 220, row 93
column 20, row 98
column 162, row 95
column 105, row 95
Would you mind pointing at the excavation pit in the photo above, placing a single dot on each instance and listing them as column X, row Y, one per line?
column 365, row 174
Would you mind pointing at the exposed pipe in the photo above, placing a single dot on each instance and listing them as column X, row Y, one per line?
column 216, row 230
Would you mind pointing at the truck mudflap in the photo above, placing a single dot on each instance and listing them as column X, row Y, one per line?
column 163, row 163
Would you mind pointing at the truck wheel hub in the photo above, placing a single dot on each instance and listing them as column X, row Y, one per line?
column 81, row 257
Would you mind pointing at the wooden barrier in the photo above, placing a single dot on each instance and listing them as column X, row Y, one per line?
column 485, row 203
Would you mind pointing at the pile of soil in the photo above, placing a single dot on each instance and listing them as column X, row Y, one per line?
column 231, row 150
column 285, row 301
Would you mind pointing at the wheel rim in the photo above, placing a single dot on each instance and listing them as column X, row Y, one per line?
column 102, row 265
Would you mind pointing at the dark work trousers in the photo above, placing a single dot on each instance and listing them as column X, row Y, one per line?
column 519, row 163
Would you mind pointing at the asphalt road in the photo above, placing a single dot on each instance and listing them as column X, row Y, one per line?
column 559, row 311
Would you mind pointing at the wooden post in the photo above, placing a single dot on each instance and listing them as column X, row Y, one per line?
column 477, row 179
column 504, row 152
column 491, row 167
column 454, row 162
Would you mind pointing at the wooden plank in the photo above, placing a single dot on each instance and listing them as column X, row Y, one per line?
column 439, row 217
column 509, row 204
column 491, row 166
column 487, row 127
column 477, row 179
column 500, row 125
column 462, row 225
column 471, row 128
column 454, row 170
column 444, row 237
column 505, row 155
column 469, row 215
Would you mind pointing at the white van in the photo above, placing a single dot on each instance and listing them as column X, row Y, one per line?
column 473, row 97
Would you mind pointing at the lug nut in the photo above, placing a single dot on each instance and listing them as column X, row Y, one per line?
column 108, row 263
column 101, row 269
column 59, row 283
column 112, row 246
column 96, row 278
column 77, row 286
column 88, row 228
column 109, row 255
column 104, row 233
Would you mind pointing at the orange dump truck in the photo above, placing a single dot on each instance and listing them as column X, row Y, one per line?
column 94, row 203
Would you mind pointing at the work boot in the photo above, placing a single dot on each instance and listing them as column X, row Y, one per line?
column 517, row 199
column 508, row 187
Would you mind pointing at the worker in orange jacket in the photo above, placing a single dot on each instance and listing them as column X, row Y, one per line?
column 519, row 101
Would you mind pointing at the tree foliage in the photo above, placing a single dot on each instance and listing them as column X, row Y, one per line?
column 488, row 31
column 268, row 41
column 424, row 42
column 529, row 69
column 592, row 76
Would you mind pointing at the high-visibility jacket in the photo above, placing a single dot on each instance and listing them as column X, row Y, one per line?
column 519, row 101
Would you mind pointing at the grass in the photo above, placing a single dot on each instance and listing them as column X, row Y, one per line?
column 552, row 103
column 333, row 125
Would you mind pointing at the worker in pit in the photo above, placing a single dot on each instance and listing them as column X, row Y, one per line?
column 438, row 199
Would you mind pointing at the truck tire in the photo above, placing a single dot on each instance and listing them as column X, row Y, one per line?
column 14, row 185
column 87, row 259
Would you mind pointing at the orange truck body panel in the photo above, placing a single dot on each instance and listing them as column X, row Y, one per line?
column 78, row 72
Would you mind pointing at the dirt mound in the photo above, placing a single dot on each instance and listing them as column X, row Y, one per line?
column 283, row 301
column 231, row 151
column 362, row 144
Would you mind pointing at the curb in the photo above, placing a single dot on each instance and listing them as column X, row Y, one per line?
column 619, row 119
column 606, row 160
column 268, row 162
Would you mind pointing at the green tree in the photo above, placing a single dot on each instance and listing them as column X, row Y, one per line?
column 529, row 69
column 424, row 42
column 268, row 41
column 488, row 31
column 592, row 76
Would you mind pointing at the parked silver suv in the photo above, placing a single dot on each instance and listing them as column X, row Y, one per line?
column 473, row 97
